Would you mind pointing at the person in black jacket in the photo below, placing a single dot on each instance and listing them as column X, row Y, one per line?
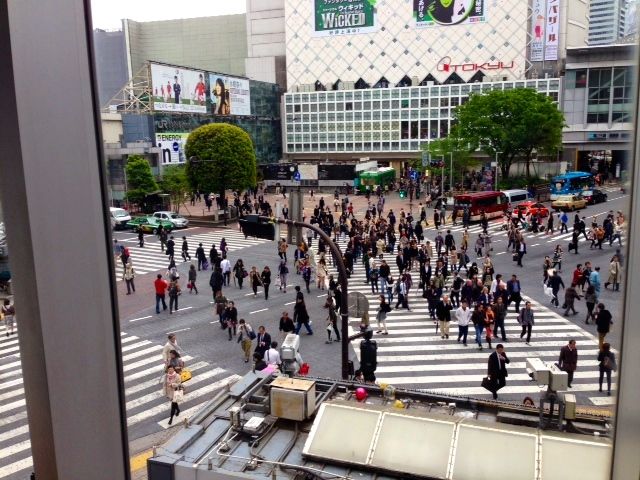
column 555, row 282
column 301, row 317
column 265, row 276
column 497, row 369
column 216, row 281
column 604, row 319
column 200, row 255
column 607, row 361
column 443, row 312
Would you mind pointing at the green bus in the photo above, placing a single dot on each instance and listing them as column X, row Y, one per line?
column 383, row 176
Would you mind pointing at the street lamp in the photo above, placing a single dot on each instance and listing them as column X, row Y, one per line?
column 442, row 181
column 497, row 152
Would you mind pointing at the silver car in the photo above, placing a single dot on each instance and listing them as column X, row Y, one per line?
column 178, row 220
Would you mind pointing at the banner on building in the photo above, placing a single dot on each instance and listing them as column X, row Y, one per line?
column 538, row 16
column 172, row 146
column 177, row 89
column 433, row 13
column 229, row 95
column 344, row 17
column 552, row 30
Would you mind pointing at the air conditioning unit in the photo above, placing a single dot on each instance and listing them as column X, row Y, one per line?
column 292, row 398
column 415, row 81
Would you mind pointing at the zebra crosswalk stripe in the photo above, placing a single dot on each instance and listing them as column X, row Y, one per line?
column 145, row 402
column 414, row 356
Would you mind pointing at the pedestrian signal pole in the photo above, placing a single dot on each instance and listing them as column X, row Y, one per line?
column 269, row 234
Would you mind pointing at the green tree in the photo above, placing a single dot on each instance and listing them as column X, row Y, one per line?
column 175, row 183
column 452, row 150
column 225, row 158
column 511, row 124
column 140, row 180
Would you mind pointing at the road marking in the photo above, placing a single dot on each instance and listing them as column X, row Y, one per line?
column 290, row 303
column 141, row 318
column 535, row 244
column 16, row 467
column 177, row 331
column 138, row 462
column 257, row 311
column 603, row 400
column 15, row 448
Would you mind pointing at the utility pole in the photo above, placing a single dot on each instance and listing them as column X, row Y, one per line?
column 497, row 170
column 451, row 172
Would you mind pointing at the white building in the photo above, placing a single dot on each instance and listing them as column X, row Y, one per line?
column 606, row 21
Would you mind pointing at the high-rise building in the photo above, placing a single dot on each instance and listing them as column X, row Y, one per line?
column 606, row 21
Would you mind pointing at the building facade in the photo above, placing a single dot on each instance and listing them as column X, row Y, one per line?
column 606, row 21
column 266, row 48
column 111, row 63
column 383, row 123
column 598, row 106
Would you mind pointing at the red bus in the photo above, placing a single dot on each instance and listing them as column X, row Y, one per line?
column 494, row 204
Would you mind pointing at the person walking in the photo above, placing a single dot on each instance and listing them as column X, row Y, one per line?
column 321, row 273
column 555, row 282
column 283, row 271
column 160, row 285
column 568, row 361
column 192, row 277
column 497, row 369
column 500, row 313
column 282, row 249
column 614, row 274
column 381, row 315
column 286, row 325
column 265, row 279
column 225, row 266
column 220, row 302
column 172, row 344
column 128, row 275
column 604, row 320
column 9, row 314
column 254, row 280
column 526, row 320
column 463, row 316
column 594, row 280
column 443, row 313
column 570, row 296
column 477, row 318
column 174, row 291
column 245, row 337
column 201, row 257
column 263, row 341
column 607, row 364
column 140, row 238
column 230, row 319
column 239, row 272
column 590, row 299
column 489, row 322
column 301, row 317
column 514, row 292
column 162, row 236
column 171, row 248
column 185, row 250
column 171, row 387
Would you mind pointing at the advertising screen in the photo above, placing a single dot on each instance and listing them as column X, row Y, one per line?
column 344, row 17
column 433, row 13
column 538, row 16
column 178, row 89
column 229, row 95
column 172, row 146
column 552, row 27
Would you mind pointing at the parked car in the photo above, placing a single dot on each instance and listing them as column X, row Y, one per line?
column 178, row 221
column 119, row 217
column 569, row 202
column 149, row 224
column 594, row 196
column 531, row 207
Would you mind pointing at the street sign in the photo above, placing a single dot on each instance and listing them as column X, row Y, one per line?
column 414, row 175
column 358, row 304
column 425, row 159
column 297, row 177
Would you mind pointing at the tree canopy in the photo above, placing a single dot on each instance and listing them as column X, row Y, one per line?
column 511, row 123
column 225, row 158
column 140, row 179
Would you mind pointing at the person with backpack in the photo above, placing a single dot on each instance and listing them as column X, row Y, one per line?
column 193, row 275
column 174, row 291
column 607, row 364
column 564, row 220
column 245, row 338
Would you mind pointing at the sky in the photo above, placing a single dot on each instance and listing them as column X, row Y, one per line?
column 107, row 14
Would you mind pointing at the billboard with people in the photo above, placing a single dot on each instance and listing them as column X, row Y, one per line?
column 176, row 89
column 428, row 13
column 344, row 17
column 229, row 95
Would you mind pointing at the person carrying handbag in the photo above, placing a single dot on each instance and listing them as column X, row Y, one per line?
column 172, row 389
column 245, row 338
column 174, row 291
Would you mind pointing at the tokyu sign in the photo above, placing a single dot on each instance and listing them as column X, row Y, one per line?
column 344, row 17
column 445, row 65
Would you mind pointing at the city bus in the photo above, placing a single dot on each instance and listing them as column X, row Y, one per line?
column 572, row 183
column 494, row 204
column 383, row 176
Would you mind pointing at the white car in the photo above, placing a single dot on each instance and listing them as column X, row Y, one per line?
column 119, row 217
column 178, row 220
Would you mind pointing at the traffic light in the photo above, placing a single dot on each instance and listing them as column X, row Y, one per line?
column 403, row 193
column 254, row 226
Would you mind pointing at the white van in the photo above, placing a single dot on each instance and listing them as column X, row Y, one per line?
column 516, row 197
column 119, row 217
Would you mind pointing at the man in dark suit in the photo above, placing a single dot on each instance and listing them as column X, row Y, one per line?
column 263, row 341
column 497, row 369
column 401, row 261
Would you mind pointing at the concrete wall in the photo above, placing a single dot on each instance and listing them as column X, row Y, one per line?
column 217, row 44
column 266, row 47
column 111, row 63
column 111, row 127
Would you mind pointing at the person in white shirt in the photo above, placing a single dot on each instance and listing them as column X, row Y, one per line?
column 463, row 315
column 272, row 356
column 225, row 266
column 495, row 283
